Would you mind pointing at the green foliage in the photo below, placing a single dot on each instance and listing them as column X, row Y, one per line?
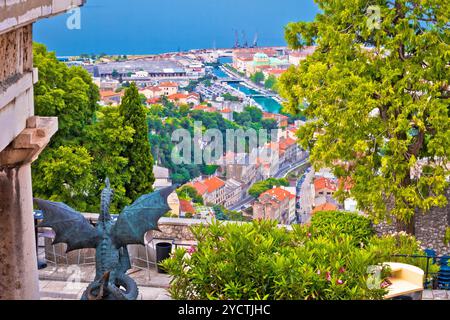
column 229, row 97
column 262, row 186
column 68, row 93
column 64, row 175
column 378, row 110
column 257, row 77
column 259, row 260
column 335, row 223
column 106, row 140
column 91, row 143
column 138, row 151
column 224, row 214
column 163, row 119
column 271, row 83
column 189, row 193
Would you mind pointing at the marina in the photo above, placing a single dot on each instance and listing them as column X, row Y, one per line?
column 264, row 100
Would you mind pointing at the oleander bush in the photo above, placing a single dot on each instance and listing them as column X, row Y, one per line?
column 259, row 260
column 333, row 223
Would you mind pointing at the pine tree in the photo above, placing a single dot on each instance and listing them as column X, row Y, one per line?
column 140, row 165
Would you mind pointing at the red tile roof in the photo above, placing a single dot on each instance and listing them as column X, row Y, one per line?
column 278, row 193
column 213, row 184
column 153, row 100
column 108, row 94
column 207, row 186
column 324, row 183
column 200, row 187
column 287, row 143
column 276, row 71
column 168, row 84
column 325, row 207
column 186, row 206
column 177, row 96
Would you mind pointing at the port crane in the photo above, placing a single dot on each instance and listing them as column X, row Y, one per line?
column 244, row 38
column 255, row 41
column 236, row 40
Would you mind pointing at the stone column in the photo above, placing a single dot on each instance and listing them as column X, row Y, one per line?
column 18, row 261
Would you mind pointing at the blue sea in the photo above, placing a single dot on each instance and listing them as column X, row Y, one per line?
column 158, row 26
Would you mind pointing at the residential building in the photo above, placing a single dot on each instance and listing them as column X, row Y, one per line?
column 282, row 120
column 290, row 150
column 107, row 84
column 152, row 92
column 212, row 190
column 241, row 167
column 296, row 57
column 227, row 114
column 168, row 88
column 275, row 204
column 184, row 98
column 324, row 187
column 111, row 98
column 233, row 193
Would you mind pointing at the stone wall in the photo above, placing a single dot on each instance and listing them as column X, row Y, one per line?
column 430, row 228
column 16, row 53
column 177, row 229
column 172, row 230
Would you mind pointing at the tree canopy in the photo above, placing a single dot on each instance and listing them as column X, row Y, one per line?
column 262, row 186
column 137, row 151
column 91, row 142
column 376, row 92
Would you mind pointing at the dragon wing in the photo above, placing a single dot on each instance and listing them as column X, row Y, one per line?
column 69, row 225
column 140, row 217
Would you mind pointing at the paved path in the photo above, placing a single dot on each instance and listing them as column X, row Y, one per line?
column 436, row 295
column 306, row 197
column 61, row 290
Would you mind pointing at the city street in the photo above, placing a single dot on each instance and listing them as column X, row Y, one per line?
column 306, row 197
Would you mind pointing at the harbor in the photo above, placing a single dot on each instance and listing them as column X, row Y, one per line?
column 264, row 99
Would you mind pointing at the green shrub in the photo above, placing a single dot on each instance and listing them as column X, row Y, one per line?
column 261, row 261
column 334, row 223
column 387, row 247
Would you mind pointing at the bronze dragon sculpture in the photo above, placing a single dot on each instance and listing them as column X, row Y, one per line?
column 110, row 238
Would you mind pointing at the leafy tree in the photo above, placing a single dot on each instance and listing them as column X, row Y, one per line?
column 64, row 175
column 270, row 82
column 257, row 77
column 189, row 193
column 262, row 186
column 224, row 214
column 115, row 74
column 143, row 98
column 68, row 93
column 107, row 140
column 138, row 151
column 229, row 97
column 377, row 97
